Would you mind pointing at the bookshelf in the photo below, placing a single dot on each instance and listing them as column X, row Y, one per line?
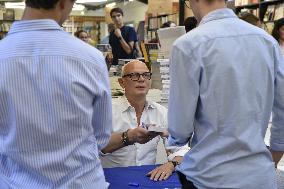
column 8, row 16
column 261, row 8
column 91, row 24
column 266, row 11
column 155, row 22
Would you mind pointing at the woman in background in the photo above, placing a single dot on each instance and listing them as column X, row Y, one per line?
column 250, row 18
column 83, row 35
column 278, row 32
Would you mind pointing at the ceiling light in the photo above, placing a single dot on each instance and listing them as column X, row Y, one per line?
column 77, row 7
column 20, row 5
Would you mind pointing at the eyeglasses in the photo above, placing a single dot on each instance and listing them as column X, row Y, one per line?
column 186, row 2
column 136, row 76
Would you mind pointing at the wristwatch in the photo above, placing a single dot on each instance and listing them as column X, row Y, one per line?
column 125, row 139
column 175, row 163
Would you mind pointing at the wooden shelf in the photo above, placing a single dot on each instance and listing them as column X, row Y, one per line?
column 257, row 5
column 7, row 20
column 249, row 6
column 268, row 21
column 262, row 6
column 273, row 2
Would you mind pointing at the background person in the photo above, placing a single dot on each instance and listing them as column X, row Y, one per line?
column 278, row 32
column 224, row 94
column 122, row 39
column 83, row 35
column 55, row 104
column 250, row 18
column 131, row 144
column 190, row 23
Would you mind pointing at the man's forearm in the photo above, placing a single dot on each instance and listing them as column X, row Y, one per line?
column 114, row 144
column 126, row 47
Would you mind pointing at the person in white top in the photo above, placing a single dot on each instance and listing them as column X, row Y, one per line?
column 131, row 144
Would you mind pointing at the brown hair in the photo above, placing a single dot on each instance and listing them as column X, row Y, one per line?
column 249, row 17
column 117, row 9
column 277, row 25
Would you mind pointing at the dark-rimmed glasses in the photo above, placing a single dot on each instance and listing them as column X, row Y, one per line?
column 136, row 76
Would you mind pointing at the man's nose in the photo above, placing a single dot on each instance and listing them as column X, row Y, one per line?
column 141, row 78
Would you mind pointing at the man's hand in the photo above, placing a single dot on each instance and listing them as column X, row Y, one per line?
column 162, row 172
column 117, row 32
column 140, row 135
column 165, row 134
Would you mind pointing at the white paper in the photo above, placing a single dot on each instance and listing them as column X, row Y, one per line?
column 167, row 37
column 156, row 128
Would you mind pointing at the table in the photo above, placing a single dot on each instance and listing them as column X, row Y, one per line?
column 120, row 177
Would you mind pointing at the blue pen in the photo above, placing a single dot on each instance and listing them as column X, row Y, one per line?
column 133, row 184
column 143, row 125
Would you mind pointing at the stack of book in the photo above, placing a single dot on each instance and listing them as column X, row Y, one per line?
column 165, row 77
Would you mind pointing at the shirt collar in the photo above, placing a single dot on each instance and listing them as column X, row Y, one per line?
column 32, row 25
column 218, row 14
column 125, row 105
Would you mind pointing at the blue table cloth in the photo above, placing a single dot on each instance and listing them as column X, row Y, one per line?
column 121, row 177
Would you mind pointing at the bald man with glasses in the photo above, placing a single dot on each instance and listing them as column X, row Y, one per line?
column 131, row 144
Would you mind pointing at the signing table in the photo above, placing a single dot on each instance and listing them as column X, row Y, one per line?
column 134, row 177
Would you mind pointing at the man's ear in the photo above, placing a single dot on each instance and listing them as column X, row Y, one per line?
column 121, row 82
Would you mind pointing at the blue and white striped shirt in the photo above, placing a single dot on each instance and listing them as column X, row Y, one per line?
column 225, row 76
column 55, row 109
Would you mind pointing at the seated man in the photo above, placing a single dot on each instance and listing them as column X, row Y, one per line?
column 131, row 144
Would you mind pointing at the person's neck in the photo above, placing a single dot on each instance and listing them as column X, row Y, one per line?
column 138, row 103
column 281, row 43
column 214, row 5
column 33, row 14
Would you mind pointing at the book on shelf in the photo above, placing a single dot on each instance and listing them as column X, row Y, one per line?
column 270, row 13
column 279, row 12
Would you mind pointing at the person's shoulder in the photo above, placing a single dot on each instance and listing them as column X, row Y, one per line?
column 129, row 29
column 85, row 51
column 188, row 41
column 251, row 30
column 119, row 104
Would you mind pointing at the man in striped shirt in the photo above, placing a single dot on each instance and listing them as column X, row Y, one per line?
column 55, row 104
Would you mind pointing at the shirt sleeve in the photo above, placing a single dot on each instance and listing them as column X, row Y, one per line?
column 102, row 114
column 184, row 93
column 178, row 151
column 277, row 129
column 132, row 36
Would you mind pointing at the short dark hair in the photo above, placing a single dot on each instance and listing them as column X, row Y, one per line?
column 117, row 10
column 41, row 4
column 190, row 23
column 277, row 25
column 167, row 24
